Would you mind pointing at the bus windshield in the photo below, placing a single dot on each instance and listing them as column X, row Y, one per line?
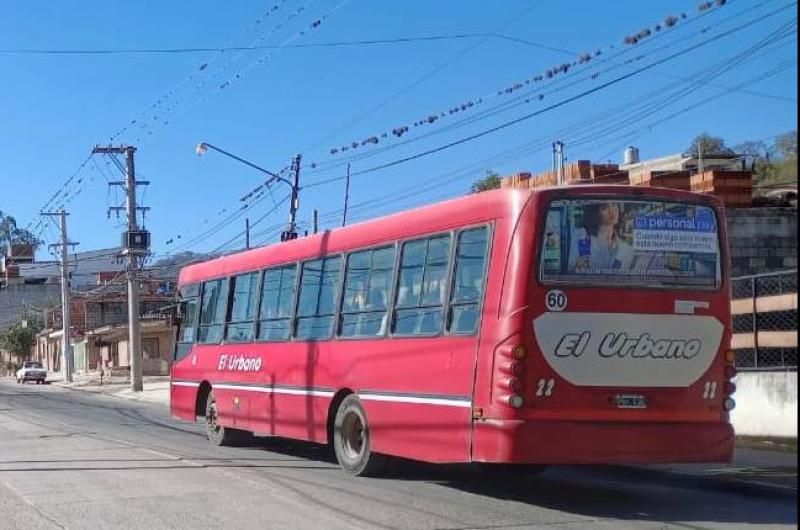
column 630, row 242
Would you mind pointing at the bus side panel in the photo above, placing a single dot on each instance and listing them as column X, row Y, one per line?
column 182, row 402
column 423, row 405
column 430, row 433
column 416, row 391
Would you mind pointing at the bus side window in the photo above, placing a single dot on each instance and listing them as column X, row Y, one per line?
column 422, row 286
column 277, row 304
column 244, row 297
column 469, row 281
column 366, row 293
column 187, row 332
column 319, row 294
column 212, row 311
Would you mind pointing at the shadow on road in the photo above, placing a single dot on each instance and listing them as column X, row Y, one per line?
column 602, row 492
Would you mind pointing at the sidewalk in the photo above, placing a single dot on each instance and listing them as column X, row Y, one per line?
column 156, row 388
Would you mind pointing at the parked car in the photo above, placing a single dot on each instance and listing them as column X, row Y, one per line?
column 31, row 371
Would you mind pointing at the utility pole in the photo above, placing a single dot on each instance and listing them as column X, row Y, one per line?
column 66, row 345
column 700, row 163
column 291, row 229
column 247, row 233
column 315, row 222
column 136, row 244
column 346, row 196
column 558, row 162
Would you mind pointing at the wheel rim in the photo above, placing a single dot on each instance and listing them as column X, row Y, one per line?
column 211, row 418
column 353, row 436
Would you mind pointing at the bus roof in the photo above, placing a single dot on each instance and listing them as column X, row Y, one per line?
column 441, row 216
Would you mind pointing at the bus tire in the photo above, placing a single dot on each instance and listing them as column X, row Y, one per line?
column 351, row 440
column 218, row 434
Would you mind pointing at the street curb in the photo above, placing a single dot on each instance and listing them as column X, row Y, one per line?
column 109, row 394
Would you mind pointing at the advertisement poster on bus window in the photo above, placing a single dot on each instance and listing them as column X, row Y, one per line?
column 636, row 242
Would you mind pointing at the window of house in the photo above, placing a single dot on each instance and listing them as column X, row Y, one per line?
column 277, row 299
column 319, row 294
column 244, row 301
column 367, row 286
column 421, row 286
column 212, row 311
column 469, row 281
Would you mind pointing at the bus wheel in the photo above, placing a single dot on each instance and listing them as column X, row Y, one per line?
column 351, row 439
column 216, row 433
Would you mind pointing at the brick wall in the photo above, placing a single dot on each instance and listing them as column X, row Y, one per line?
column 762, row 239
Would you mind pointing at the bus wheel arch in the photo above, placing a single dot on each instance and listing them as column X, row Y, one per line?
column 333, row 409
column 202, row 397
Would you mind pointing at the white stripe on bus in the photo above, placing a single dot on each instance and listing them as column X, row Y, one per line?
column 277, row 390
column 390, row 398
column 446, row 402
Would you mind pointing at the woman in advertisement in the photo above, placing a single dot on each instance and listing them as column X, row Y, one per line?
column 598, row 248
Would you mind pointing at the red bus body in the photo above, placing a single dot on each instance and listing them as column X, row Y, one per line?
column 443, row 399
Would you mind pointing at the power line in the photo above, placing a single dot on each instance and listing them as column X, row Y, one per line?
column 221, row 49
column 571, row 99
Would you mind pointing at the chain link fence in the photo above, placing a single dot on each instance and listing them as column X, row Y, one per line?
column 764, row 311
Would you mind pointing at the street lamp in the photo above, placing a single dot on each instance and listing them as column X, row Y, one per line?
column 291, row 228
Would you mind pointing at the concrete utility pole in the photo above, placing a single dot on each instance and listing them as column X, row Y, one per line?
column 247, row 233
column 66, row 345
column 136, row 244
column 558, row 162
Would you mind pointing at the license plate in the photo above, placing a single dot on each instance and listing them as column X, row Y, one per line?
column 630, row 401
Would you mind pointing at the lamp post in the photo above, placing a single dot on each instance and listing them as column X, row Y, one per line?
column 291, row 227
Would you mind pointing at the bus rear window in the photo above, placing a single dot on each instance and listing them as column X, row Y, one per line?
column 630, row 242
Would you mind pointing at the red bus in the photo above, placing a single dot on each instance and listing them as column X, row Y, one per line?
column 573, row 325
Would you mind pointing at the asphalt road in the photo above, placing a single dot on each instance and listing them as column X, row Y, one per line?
column 70, row 459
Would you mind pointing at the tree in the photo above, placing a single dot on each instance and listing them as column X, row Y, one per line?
column 491, row 181
column 10, row 232
column 786, row 145
column 759, row 155
column 709, row 146
column 21, row 337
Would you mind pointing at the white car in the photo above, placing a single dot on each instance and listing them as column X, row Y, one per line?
column 31, row 371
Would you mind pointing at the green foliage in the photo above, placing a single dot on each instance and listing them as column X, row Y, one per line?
column 709, row 146
column 21, row 337
column 10, row 232
column 490, row 182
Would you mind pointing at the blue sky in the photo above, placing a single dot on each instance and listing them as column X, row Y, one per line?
column 55, row 107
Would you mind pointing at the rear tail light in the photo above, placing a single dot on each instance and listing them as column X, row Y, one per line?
column 513, row 384
column 514, row 368
column 730, row 371
column 515, row 401
column 730, row 388
column 518, row 352
column 730, row 357
column 729, row 404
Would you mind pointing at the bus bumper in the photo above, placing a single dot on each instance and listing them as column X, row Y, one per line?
column 565, row 442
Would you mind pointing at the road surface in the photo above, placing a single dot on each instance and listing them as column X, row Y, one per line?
column 70, row 459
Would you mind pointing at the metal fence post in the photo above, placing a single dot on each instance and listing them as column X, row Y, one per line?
column 754, row 291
